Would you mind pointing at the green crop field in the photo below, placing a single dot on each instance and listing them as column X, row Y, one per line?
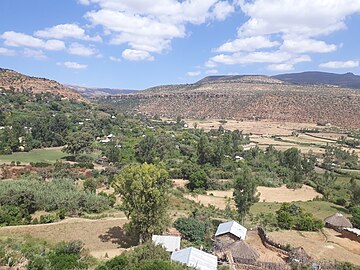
column 38, row 155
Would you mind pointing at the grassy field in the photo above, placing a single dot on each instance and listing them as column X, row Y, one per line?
column 320, row 209
column 38, row 155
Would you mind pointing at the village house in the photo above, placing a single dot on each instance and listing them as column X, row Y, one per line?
column 196, row 258
column 170, row 243
column 351, row 233
column 338, row 222
column 230, row 244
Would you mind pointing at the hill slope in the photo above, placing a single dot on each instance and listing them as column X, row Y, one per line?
column 10, row 79
column 248, row 97
column 315, row 77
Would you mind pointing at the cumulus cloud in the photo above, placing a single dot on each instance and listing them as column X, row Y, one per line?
column 15, row 39
column 81, row 50
column 72, row 65
column 340, row 64
column 247, row 44
column 63, row 31
column 194, row 73
column 137, row 55
column 285, row 29
column 7, row 52
column 148, row 27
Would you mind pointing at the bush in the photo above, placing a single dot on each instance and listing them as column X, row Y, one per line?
column 192, row 229
column 198, row 180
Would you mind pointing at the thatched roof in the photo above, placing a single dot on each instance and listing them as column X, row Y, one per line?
column 240, row 250
column 338, row 220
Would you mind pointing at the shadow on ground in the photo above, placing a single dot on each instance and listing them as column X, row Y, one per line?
column 117, row 235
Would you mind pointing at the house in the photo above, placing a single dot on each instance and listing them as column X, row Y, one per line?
column 231, row 229
column 351, row 233
column 196, row 258
column 337, row 222
column 235, row 251
column 249, row 146
column 230, row 246
column 170, row 243
column 105, row 141
column 238, row 158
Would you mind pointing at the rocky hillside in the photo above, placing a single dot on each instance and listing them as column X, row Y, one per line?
column 248, row 97
column 10, row 79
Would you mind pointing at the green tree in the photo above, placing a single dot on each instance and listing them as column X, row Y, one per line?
column 198, row 180
column 78, row 142
column 146, row 149
column 355, row 212
column 244, row 192
column 144, row 192
column 90, row 185
column 193, row 230
column 204, row 150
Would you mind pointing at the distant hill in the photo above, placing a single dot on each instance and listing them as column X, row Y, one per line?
column 247, row 98
column 10, row 79
column 93, row 92
column 347, row 80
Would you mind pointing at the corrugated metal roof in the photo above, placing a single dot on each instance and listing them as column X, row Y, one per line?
column 353, row 230
column 232, row 227
column 171, row 243
column 194, row 257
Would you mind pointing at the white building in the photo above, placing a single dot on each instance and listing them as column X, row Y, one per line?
column 170, row 243
column 233, row 228
column 196, row 258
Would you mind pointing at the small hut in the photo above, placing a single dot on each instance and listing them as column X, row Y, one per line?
column 240, row 251
column 299, row 255
column 337, row 222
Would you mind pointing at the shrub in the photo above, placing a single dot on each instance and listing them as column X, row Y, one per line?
column 192, row 229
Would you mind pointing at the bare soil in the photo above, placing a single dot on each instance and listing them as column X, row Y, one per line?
column 283, row 194
column 328, row 246
column 104, row 237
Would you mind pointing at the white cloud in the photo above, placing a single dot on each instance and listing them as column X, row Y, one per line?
column 253, row 57
column 247, row 44
column 15, row 39
column 137, row 55
column 307, row 45
column 194, row 73
column 84, row 2
column 72, row 65
column 81, row 50
column 340, row 64
column 150, row 26
column 222, row 9
column 7, row 52
column 63, row 31
column 212, row 71
column 115, row 59
column 297, row 26
column 37, row 54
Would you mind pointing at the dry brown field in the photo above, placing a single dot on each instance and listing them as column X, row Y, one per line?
column 101, row 237
column 322, row 246
column 281, row 194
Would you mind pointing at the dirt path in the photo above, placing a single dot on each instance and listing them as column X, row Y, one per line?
column 101, row 237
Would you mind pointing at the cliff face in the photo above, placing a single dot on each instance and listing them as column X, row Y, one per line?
column 10, row 79
column 248, row 98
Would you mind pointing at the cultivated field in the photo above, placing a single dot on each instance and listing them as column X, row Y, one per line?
column 281, row 194
column 38, row 155
column 324, row 246
column 101, row 237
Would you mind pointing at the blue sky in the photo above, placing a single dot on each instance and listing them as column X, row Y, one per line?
column 136, row 44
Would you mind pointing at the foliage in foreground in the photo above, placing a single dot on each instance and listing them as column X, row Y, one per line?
column 144, row 257
column 38, row 255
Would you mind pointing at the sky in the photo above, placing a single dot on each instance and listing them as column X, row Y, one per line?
column 136, row 44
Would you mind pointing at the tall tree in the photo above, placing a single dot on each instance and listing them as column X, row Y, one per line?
column 144, row 191
column 244, row 192
column 146, row 149
column 78, row 142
